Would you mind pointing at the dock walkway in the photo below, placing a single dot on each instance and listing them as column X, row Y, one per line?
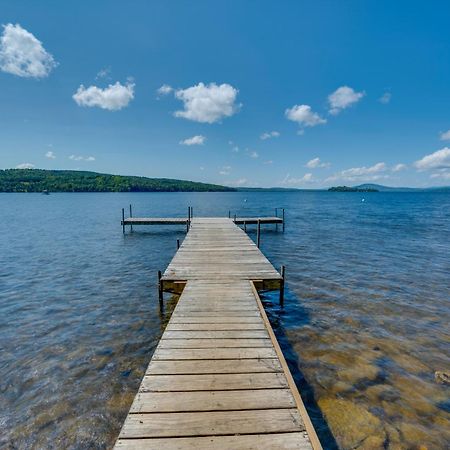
column 218, row 379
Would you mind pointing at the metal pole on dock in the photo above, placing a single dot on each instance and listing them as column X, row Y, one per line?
column 160, row 292
column 229, row 214
column 123, row 220
column 245, row 226
column 235, row 218
column 131, row 215
column 276, row 215
column 282, row 272
column 258, row 234
column 178, row 244
column 283, row 220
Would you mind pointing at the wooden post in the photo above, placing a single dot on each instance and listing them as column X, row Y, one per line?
column 282, row 286
column 258, row 234
column 283, row 220
column 131, row 215
column 229, row 214
column 188, row 223
column 178, row 244
column 192, row 212
column 276, row 215
column 160, row 292
column 123, row 220
column 245, row 227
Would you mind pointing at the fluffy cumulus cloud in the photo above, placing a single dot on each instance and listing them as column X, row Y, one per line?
column 165, row 89
column 225, row 170
column 304, row 116
column 25, row 166
column 269, row 135
column 50, row 155
column 316, row 163
column 399, row 167
column 445, row 136
column 360, row 174
column 23, row 55
column 385, row 98
column 207, row 103
column 194, row 140
column 114, row 97
column 342, row 98
column 81, row 158
column 437, row 160
column 292, row 181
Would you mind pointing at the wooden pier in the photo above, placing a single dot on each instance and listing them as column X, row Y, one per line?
column 218, row 379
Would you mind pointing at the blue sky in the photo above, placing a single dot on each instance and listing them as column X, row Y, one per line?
column 294, row 93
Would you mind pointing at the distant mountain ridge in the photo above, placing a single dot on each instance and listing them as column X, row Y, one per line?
column 40, row 180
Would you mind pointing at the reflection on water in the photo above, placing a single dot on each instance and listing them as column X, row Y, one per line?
column 365, row 323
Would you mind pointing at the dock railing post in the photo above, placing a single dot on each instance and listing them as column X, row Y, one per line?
column 229, row 214
column 283, row 220
column 245, row 226
column 235, row 218
column 131, row 215
column 123, row 220
column 282, row 273
column 160, row 292
column 178, row 244
column 258, row 234
column 276, row 215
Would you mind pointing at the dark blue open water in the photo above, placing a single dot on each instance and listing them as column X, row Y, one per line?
column 365, row 326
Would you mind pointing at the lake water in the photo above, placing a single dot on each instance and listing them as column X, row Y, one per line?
column 364, row 328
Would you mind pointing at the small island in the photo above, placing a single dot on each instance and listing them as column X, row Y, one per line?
column 352, row 189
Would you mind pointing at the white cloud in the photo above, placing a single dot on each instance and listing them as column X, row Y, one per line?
column 226, row 170
column 207, row 103
column 235, row 149
column 50, row 155
column 23, row 55
column 114, row 97
column 304, row 116
column 269, row 135
column 385, row 98
column 291, row 181
column 103, row 73
column 363, row 171
column 254, row 155
column 81, row 158
column 342, row 98
column 269, row 161
column 194, row 140
column 316, row 163
column 240, row 182
column 399, row 167
column 444, row 175
column 437, row 160
column 25, row 166
column 445, row 136
column 164, row 89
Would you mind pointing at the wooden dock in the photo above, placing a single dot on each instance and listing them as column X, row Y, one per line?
column 218, row 379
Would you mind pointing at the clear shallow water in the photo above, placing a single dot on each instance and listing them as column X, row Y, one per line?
column 364, row 328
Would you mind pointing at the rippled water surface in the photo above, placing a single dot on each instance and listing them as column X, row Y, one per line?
column 364, row 328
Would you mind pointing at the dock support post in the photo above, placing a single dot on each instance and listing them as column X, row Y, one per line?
column 276, row 215
column 283, row 220
column 123, row 220
column 245, row 227
column 282, row 272
column 160, row 292
column 178, row 244
column 258, row 234
column 131, row 215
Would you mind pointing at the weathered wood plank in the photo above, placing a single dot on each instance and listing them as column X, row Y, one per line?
column 281, row 441
column 213, row 382
column 208, row 366
column 230, row 334
column 213, row 423
column 213, row 353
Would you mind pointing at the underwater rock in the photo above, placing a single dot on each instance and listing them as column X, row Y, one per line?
column 442, row 377
column 351, row 424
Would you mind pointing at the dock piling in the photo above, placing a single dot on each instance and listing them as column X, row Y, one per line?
column 282, row 273
column 123, row 220
column 131, row 215
column 258, row 234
